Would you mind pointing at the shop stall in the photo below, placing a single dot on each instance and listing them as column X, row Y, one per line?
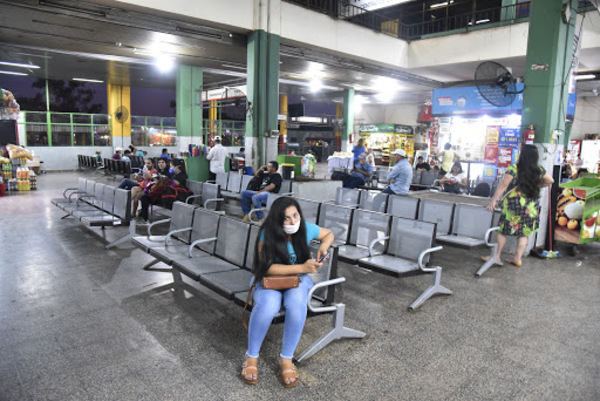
column 485, row 137
column 383, row 139
column 578, row 211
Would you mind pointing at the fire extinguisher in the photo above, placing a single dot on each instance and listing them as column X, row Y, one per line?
column 529, row 135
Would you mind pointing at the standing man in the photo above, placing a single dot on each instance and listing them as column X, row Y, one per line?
column 401, row 175
column 361, row 171
column 217, row 157
column 359, row 149
column 271, row 183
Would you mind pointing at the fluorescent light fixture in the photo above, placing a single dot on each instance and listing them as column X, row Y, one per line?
column 316, row 85
column 482, row 21
column 584, row 76
column 97, row 81
column 164, row 63
column 19, row 65
column 445, row 3
column 13, row 73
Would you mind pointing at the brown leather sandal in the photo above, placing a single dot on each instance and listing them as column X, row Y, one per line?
column 250, row 367
column 288, row 371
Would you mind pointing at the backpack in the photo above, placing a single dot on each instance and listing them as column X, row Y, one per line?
column 172, row 194
column 255, row 184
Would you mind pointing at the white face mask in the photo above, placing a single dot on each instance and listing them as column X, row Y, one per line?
column 293, row 229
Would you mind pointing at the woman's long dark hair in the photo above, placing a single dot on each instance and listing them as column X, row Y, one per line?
column 457, row 164
column 528, row 172
column 274, row 248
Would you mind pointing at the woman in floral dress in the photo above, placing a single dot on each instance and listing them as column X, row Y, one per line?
column 520, row 190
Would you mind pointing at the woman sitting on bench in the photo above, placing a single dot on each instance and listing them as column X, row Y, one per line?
column 282, row 249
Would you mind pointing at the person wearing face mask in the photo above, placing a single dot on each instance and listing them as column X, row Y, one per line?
column 282, row 249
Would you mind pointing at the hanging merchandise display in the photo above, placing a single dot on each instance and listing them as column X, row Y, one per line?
column 578, row 211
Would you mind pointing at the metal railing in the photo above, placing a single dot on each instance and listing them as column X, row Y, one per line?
column 81, row 129
column 382, row 23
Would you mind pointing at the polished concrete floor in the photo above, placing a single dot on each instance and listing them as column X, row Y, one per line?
column 78, row 322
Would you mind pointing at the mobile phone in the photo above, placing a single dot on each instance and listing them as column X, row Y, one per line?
column 323, row 258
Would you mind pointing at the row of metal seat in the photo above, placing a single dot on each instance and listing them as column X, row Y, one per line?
column 217, row 251
column 98, row 205
column 84, row 161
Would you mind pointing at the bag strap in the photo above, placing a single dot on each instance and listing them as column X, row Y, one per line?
column 246, row 306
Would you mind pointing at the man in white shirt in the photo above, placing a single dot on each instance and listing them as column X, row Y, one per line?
column 217, row 157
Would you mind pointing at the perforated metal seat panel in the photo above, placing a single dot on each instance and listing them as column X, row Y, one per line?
column 202, row 263
column 337, row 219
column 390, row 264
column 437, row 212
column 347, row 197
column 408, row 238
column 221, row 180
column 145, row 243
column 232, row 239
column 206, row 224
column 167, row 254
column 351, row 253
column 374, row 201
column 181, row 217
column 466, row 242
column 227, row 283
column 403, row 206
column 471, row 221
column 310, row 209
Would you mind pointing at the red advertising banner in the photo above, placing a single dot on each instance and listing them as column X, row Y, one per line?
column 491, row 153
column 492, row 134
column 504, row 157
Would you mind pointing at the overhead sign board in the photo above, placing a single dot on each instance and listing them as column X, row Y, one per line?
column 468, row 100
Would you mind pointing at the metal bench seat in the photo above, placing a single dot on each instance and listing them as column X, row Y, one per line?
column 70, row 194
column 227, row 283
column 366, row 230
column 336, row 218
column 408, row 248
column 464, row 242
column 202, row 263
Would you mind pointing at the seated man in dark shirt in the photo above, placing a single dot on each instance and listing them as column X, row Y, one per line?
column 271, row 183
column 422, row 165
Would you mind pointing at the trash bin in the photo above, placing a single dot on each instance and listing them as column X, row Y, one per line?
column 249, row 170
column 288, row 171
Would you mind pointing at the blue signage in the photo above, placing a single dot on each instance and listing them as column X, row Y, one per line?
column 509, row 138
column 468, row 100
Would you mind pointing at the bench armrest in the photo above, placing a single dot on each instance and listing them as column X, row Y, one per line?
column 74, row 193
column 206, row 202
column 488, row 235
column 192, row 197
column 163, row 221
column 68, row 189
column 200, row 241
column 170, row 234
column 376, row 240
column 286, row 193
column 322, row 284
column 251, row 213
column 422, row 256
column 210, row 181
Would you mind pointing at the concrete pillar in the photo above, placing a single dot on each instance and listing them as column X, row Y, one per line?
column 263, row 97
column 189, row 106
column 348, row 118
column 548, row 66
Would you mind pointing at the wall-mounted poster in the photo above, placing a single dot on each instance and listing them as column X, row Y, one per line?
column 491, row 153
column 504, row 157
column 492, row 134
column 509, row 138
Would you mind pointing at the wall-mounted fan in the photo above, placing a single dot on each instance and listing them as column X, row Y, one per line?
column 495, row 83
column 122, row 114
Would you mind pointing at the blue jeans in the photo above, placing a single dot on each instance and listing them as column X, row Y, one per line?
column 267, row 303
column 388, row 190
column 127, row 184
column 248, row 197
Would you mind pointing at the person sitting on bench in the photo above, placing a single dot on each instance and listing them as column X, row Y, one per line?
column 361, row 171
column 271, row 183
column 282, row 249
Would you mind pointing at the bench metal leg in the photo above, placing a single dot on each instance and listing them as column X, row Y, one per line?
column 493, row 260
column 436, row 288
column 337, row 332
column 148, row 267
column 65, row 216
column 124, row 238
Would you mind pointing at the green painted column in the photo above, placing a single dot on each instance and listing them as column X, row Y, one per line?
column 189, row 104
column 262, row 94
column 348, row 115
column 549, row 58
